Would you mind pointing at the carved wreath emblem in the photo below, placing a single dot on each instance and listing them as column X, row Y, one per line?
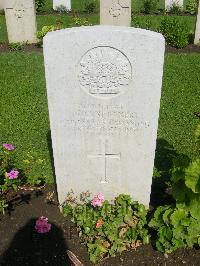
column 104, row 71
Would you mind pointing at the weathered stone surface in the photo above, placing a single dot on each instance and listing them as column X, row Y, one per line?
column 197, row 30
column 104, row 86
column 169, row 3
column 21, row 20
column 115, row 12
column 65, row 3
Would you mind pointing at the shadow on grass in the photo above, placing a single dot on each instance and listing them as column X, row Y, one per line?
column 30, row 248
column 163, row 163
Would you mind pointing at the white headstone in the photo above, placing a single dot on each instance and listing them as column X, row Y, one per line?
column 64, row 3
column 197, row 30
column 115, row 12
column 21, row 21
column 169, row 3
column 104, row 87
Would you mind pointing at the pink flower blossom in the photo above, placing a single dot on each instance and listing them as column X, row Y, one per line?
column 97, row 200
column 42, row 226
column 13, row 174
column 99, row 223
column 100, row 197
column 8, row 146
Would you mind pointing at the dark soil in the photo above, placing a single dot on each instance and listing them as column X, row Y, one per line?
column 34, row 48
column 21, row 245
column 4, row 48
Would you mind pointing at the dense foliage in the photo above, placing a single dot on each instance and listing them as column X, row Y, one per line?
column 39, row 5
column 178, row 226
column 150, row 6
column 90, row 6
column 110, row 228
column 175, row 32
column 192, row 6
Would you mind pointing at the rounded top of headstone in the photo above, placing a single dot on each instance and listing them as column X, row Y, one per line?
column 106, row 29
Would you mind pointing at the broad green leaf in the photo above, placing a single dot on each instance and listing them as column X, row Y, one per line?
column 178, row 217
column 192, row 176
column 166, row 215
column 157, row 219
column 179, row 190
column 194, row 207
column 165, row 233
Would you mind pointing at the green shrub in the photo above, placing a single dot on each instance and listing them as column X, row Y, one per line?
column 175, row 32
column 150, row 6
column 109, row 228
column 192, row 6
column 90, row 6
column 39, row 4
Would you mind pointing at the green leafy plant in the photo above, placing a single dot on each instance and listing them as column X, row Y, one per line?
column 79, row 21
column 90, row 6
column 33, row 169
column 175, row 9
column 150, row 6
column 39, row 5
column 176, row 228
column 175, row 32
column 179, row 226
column 108, row 228
column 45, row 30
column 16, row 46
column 10, row 176
column 192, row 6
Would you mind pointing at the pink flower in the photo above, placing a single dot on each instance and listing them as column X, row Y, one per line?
column 13, row 174
column 97, row 200
column 8, row 146
column 99, row 223
column 100, row 197
column 42, row 226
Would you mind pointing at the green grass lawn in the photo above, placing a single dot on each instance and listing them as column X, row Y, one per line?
column 24, row 113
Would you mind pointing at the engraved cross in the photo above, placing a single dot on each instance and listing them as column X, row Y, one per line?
column 106, row 156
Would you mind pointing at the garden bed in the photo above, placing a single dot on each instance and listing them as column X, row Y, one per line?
column 4, row 47
column 20, row 245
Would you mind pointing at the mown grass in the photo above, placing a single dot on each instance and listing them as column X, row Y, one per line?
column 24, row 113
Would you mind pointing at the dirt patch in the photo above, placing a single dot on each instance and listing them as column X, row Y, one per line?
column 188, row 49
column 20, row 245
column 4, row 48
